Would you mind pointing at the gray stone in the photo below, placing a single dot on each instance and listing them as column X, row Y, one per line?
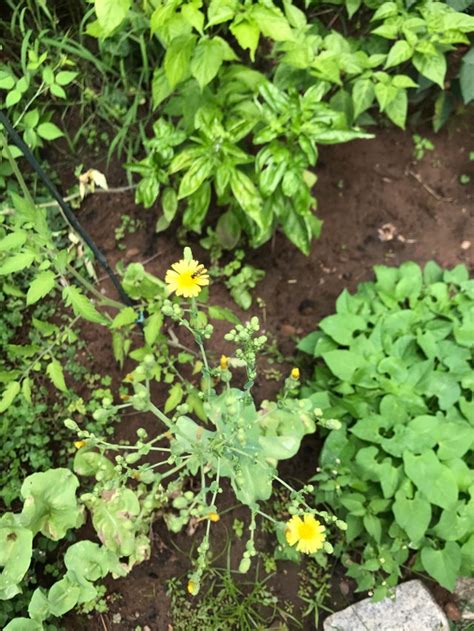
column 412, row 608
column 464, row 591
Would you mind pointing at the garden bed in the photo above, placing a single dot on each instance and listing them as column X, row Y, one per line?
column 379, row 206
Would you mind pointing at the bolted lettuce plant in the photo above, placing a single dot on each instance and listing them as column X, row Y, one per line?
column 225, row 437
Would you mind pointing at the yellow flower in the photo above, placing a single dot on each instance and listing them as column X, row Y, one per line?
column 295, row 373
column 193, row 589
column 224, row 362
column 307, row 533
column 186, row 278
column 213, row 517
column 78, row 444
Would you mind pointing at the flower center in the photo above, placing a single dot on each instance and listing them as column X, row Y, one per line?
column 186, row 280
column 307, row 531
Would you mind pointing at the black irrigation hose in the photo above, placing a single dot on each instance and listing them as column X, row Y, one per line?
column 68, row 213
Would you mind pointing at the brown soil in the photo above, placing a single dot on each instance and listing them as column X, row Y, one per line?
column 362, row 186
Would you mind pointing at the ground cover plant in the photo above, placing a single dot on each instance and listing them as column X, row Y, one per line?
column 190, row 426
column 397, row 370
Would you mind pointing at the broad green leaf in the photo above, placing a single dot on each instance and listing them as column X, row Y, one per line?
column 89, row 561
column 220, row 11
column 90, row 463
column 198, row 205
column 193, row 16
column 178, row 57
column 65, row 77
column 443, row 564
column 363, row 95
column 400, row 52
column 81, row 305
column 296, row 17
column 169, row 202
column 199, row 171
column 343, row 363
column 207, row 59
column 50, row 505
column 111, row 13
column 433, row 67
column 15, row 555
column 38, row 608
column 247, row 196
column 413, row 516
column 341, row 327
column 113, row 517
column 55, row 373
column 247, row 34
column 433, row 479
column 23, row 624
column 272, row 23
column 63, row 596
column 49, row 131
column 397, row 109
column 373, row 526
column 455, row 440
column 352, row 6
column 41, row 286
column 455, row 523
column 160, row 87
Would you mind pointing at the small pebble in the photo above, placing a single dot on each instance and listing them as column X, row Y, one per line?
column 452, row 611
column 465, row 245
column 132, row 252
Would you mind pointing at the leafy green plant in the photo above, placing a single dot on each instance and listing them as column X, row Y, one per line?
column 217, row 432
column 395, row 364
column 51, row 509
column 309, row 84
column 239, row 277
column 29, row 91
column 421, row 146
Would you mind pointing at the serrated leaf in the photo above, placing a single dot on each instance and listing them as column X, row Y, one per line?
column 81, row 305
column 222, row 313
column 55, row 373
column 9, row 394
column 41, row 286
column 13, row 240
column 125, row 317
column 174, row 399
column 16, row 263
column 152, row 327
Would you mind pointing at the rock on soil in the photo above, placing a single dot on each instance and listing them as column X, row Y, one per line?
column 411, row 609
